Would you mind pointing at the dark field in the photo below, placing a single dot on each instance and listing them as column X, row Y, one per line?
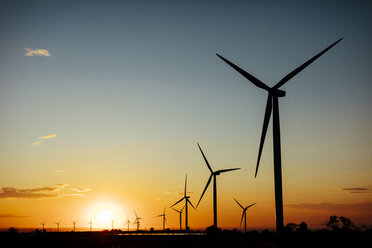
column 223, row 239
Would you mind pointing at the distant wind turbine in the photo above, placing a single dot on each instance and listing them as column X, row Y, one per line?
column 137, row 221
column 164, row 220
column 272, row 105
column 58, row 225
column 214, row 174
column 73, row 222
column 43, row 224
column 187, row 201
column 90, row 225
column 180, row 212
column 244, row 214
column 128, row 222
column 112, row 222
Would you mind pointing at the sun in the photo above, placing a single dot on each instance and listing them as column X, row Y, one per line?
column 105, row 216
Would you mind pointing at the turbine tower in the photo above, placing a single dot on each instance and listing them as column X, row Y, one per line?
column 214, row 174
column 187, row 201
column 180, row 212
column 43, row 224
column 244, row 214
column 112, row 223
column 272, row 105
column 164, row 220
column 57, row 223
column 73, row 222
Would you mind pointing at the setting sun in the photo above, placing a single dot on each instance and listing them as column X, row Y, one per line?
column 105, row 216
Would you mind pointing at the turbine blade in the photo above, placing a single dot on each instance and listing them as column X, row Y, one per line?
column 185, row 185
column 241, row 220
column 226, row 170
column 300, row 68
column 239, row 203
column 176, row 210
column 205, row 159
column 245, row 74
column 177, row 202
column 191, row 204
column 206, row 186
column 164, row 211
column 264, row 129
column 182, row 209
column 250, row 205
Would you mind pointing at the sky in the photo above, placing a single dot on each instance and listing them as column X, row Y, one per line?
column 102, row 104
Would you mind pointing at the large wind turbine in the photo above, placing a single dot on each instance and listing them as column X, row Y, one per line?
column 180, row 212
column 214, row 174
column 90, row 225
column 244, row 214
column 272, row 104
column 164, row 220
column 187, row 201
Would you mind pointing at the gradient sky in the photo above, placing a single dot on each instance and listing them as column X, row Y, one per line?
column 110, row 120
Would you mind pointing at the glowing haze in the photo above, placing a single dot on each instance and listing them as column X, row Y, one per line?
column 102, row 105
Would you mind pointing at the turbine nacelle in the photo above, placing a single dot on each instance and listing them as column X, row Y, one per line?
column 278, row 93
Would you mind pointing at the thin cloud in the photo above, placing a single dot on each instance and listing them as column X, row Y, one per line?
column 48, row 136
column 37, row 52
column 359, row 207
column 80, row 190
column 60, row 171
column 36, row 143
column 36, row 193
column 356, row 190
column 3, row 216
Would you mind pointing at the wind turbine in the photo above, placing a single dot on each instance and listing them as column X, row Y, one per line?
column 112, row 222
column 58, row 225
column 164, row 220
column 90, row 225
column 180, row 212
column 214, row 174
column 244, row 214
column 73, row 222
column 187, row 201
column 137, row 221
column 272, row 104
column 43, row 224
column 128, row 222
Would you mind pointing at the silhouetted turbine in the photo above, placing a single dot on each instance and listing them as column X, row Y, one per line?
column 164, row 220
column 43, row 224
column 90, row 225
column 128, row 222
column 58, row 225
column 213, row 174
column 187, row 201
column 137, row 221
column 244, row 214
column 73, row 222
column 272, row 104
column 180, row 212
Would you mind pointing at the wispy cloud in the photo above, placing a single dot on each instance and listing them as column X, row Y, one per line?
column 48, row 136
column 80, row 190
column 359, row 207
column 37, row 52
column 3, row 216
column 60, row 171
column 356, row 190
column 37, row 193
column 39, row 141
